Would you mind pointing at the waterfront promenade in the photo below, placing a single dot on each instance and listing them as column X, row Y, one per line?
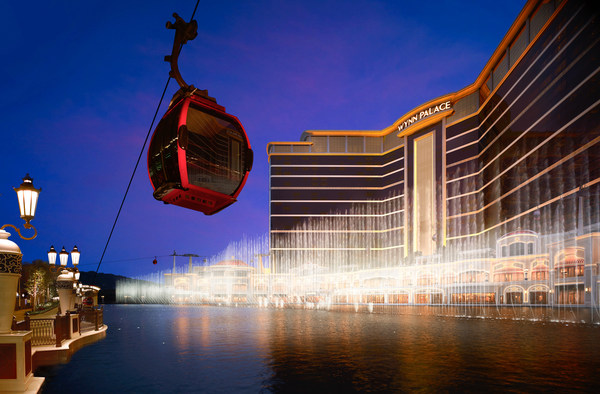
column 55, row 338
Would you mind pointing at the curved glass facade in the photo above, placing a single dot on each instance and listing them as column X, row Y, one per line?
column 449, row 184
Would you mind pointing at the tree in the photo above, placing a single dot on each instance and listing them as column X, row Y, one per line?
column 36, row 286
column 45, row 288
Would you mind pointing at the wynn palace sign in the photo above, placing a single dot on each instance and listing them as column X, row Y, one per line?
column 416, row 117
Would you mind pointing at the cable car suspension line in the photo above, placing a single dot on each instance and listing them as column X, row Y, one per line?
column 137, row 163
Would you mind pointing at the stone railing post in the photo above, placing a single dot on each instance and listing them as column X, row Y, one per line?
column 58, row 331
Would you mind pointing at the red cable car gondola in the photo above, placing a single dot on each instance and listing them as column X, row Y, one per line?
column 199, row 155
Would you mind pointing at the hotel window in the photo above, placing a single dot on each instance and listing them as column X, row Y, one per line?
column 319, row 144
column 485, row 90
column 540, row 273
column 391, row 141
column 465, row 107
column 500, row 71
column 540, row 16
column 356, row 144
column 301, row 148
column 281, row 148
column 337, row 144
column 373, row 144
column 570, row 263
column 519, row 44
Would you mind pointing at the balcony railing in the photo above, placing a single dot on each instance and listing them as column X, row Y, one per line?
column 56, row 330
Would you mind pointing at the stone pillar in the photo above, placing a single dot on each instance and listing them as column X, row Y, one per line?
column 10, row 272
column 64, row 286
column 15, row 346
column 15, row 361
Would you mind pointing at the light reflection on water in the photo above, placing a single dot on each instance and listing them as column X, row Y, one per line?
column 212, row 349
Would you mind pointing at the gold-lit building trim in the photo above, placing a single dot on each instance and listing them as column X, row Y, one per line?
column 428, row 121
column 501, row 51
column 539, row 96
column 475, row 86
column 526, row 109
column 281, row 143
column 328, row 153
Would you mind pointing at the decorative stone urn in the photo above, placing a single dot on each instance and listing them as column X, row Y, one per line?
column 10, row 272
column 64, row 286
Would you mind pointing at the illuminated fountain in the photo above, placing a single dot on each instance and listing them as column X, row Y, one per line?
column 532, row 269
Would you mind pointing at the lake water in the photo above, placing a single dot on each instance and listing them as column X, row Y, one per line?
column 183, row 349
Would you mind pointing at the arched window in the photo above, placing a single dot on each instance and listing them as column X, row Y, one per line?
column 570, row 262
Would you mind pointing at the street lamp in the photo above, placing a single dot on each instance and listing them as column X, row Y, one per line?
column 10, row 253
column 63, row 258
column 27, row 195
column 66, row 280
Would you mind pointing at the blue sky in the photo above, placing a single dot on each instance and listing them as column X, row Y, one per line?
column 81, row 82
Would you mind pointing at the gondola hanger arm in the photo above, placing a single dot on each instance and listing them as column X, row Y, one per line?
column 184, row 32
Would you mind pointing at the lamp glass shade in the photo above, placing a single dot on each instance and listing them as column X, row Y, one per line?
column 52, row 255
column 27, row 195
column 64, row 257
column 77, row 274
column 75, row 255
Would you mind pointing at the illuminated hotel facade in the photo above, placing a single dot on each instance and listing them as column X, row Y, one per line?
column 497, row 184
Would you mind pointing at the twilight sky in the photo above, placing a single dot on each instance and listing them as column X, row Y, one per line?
column 81, row 81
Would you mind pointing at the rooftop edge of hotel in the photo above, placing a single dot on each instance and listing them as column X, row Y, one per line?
column 404, row 126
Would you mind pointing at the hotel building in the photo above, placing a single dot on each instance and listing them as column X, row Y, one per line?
column 496, row 185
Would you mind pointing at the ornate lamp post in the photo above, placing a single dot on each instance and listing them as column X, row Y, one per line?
column 10, row 254
column 68, row 277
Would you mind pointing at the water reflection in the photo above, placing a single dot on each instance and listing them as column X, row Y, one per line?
column 156, row 349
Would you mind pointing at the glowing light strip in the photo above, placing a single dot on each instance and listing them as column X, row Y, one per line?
column 529, row 210
column 338, row 231
column 350, row 215
column 545, row 171
column 337, row 176
column 339, row 166
column 461, row 162
column 335, row 188
column 540, row 144
column 463, row 133
column 340, row 201
column 571, row 65
column 389, row 247
column 462, row 147
column 530, row 66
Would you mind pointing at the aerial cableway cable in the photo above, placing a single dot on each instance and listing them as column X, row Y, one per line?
column 137, row 164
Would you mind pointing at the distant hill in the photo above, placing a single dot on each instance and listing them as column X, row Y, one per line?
column 106, row 282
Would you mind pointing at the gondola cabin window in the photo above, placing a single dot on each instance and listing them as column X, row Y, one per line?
column 212, row 162
column 163, row 166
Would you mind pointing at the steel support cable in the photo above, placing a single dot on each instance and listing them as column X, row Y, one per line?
column 132, row 175
column 137, row 164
